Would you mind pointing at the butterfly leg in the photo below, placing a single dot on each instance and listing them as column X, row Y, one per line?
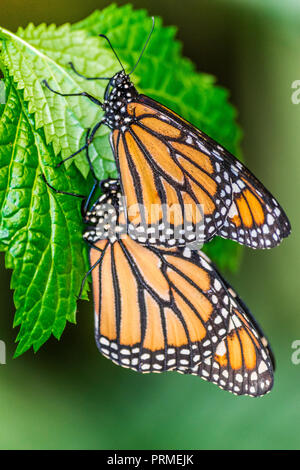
column 83, row 76
column 89, row 138
column 86, row 202
column 83, row 93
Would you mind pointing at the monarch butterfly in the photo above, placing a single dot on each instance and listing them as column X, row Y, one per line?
column 181, row 185
column 168, row 309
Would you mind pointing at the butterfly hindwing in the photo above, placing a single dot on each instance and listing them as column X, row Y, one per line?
column 166, row 162
column 160, row 309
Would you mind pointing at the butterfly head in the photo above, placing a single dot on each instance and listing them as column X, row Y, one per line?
column 119, row 92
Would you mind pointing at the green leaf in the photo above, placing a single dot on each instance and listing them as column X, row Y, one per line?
column 41, row 231
column 38, row 230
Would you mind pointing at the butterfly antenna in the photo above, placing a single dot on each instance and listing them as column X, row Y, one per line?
column 105, row 37
column 145, row 45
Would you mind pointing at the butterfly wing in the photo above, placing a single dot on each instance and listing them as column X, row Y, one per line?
column 176, row 191
column 165, row 160
column 243, row 362
column 255, row 218
column 156, row 309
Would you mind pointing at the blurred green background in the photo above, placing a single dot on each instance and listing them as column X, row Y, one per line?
column 68, row 396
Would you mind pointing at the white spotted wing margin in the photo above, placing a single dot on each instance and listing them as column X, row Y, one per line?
column 243, row 362
column 156, row 308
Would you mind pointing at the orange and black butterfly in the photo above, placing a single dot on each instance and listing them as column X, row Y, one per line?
column 168, row 309
column 181, row 186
